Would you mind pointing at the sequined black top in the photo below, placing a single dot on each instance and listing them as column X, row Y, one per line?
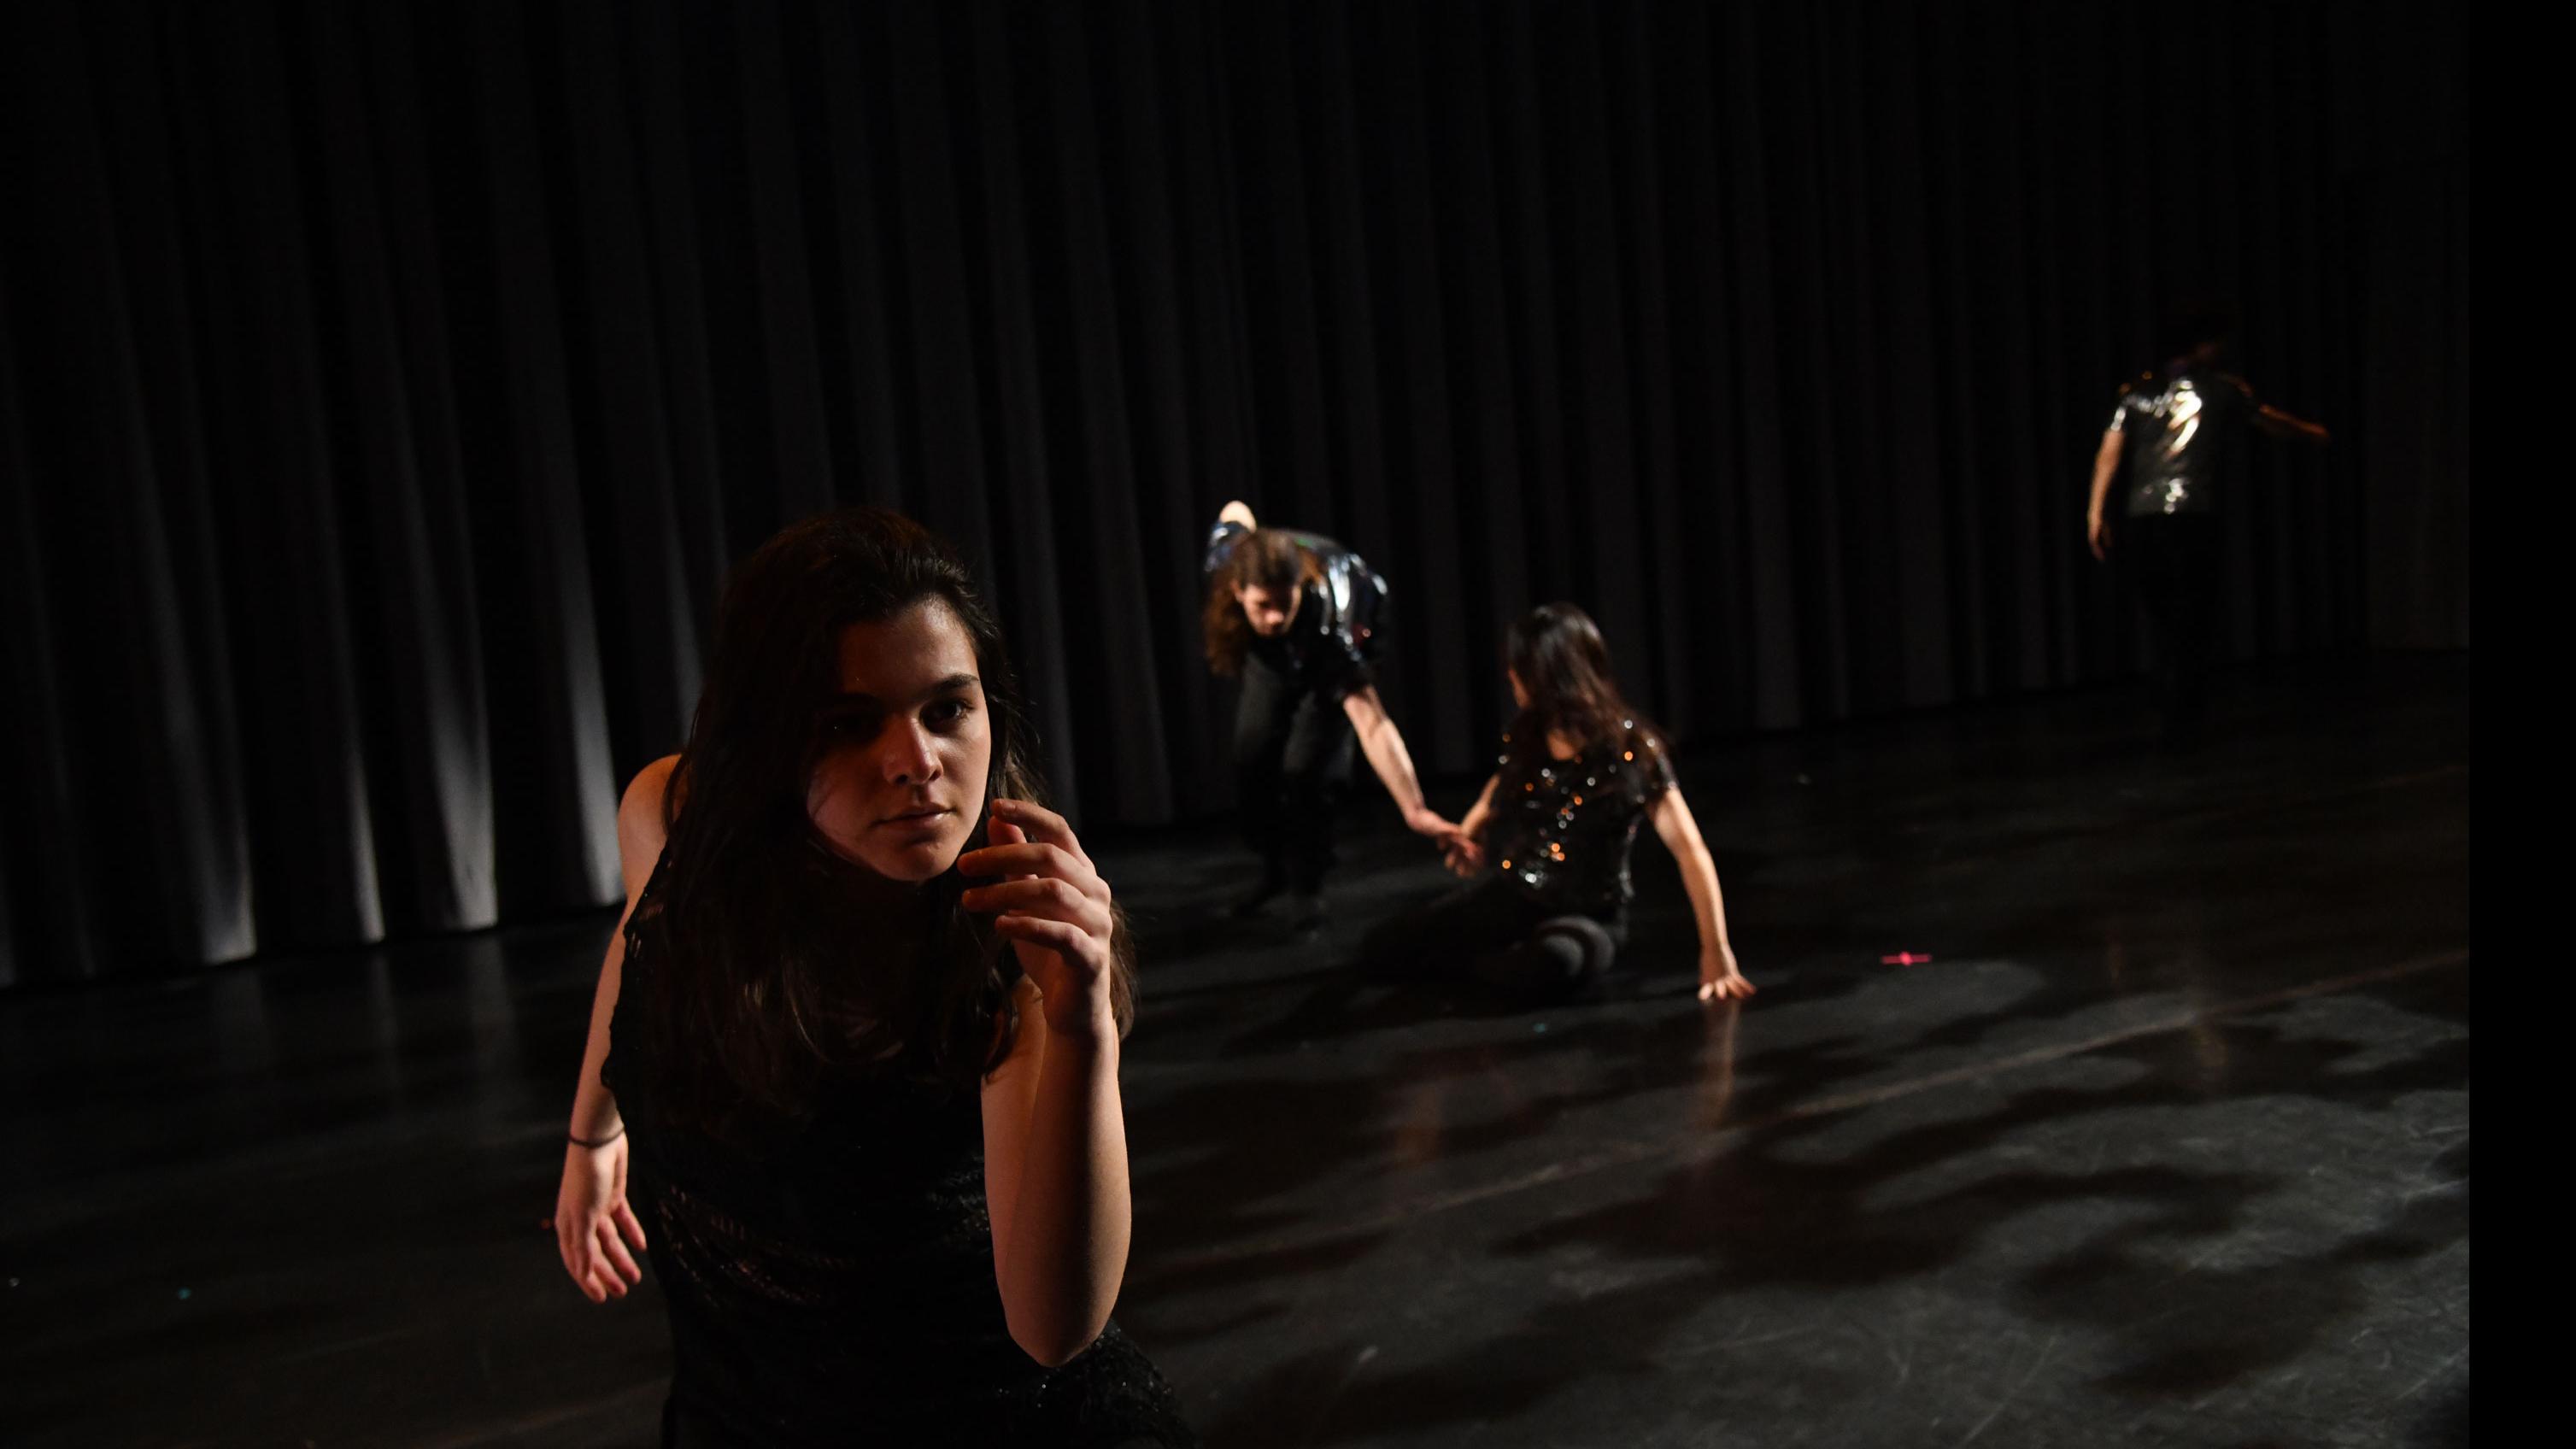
column 1562, row 830
column 1331, row 644
column 2176, row 426
column 834, row 1284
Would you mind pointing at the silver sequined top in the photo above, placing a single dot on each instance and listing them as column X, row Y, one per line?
column 2176, row 426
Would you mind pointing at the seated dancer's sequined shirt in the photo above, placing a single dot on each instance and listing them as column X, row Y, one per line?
column 1562, row 830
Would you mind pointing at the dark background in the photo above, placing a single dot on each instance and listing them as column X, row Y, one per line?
column 384, row 389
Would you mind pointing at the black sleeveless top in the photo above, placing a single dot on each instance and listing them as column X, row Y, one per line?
column 832, row 1282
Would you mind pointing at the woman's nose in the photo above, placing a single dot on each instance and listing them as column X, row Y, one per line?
column 909, row 757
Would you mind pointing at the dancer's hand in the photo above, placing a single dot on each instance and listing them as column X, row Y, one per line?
column 2097, row 532
column 1426, row 821
column 1053, row 907
column 591, row 1219
column 1464, row 856
column 1719, row 977
column 1237, row 511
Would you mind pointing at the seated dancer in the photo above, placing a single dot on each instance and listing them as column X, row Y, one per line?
column 2173, row 428
column 851, row 1085
column 1547, row 843
column 1296, row 616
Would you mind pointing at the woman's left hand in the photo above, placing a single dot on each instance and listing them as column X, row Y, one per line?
column 1464, row 857
column 1053, row 907
column 1719, row 977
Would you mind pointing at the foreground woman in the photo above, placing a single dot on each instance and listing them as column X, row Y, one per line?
column 852, row 1085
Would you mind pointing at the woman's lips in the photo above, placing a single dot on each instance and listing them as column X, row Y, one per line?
column 916, row 818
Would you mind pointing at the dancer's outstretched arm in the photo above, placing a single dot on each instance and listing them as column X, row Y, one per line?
column 1384, row 746
column 2287, row 425
column 1719, row 976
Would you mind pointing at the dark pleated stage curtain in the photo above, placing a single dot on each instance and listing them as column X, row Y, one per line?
column 385, row 389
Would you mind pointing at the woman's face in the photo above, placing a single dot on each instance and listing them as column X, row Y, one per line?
column 907, row 745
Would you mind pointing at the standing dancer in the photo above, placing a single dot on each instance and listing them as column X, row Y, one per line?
column 1296, row 615
column 852, row 1085
column 2172, row 428
column 1548, row 842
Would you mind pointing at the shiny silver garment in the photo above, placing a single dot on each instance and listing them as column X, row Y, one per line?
column 1345, row 610
column 2175, row 428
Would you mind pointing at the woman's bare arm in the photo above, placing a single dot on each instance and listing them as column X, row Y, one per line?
column 1010, row 1099
column 639, row 845
column 1055, row 1129
column 1719, row 976
column 2106, row 465
column 596, row 1232
column 1055, row 1143
column 2289, row 425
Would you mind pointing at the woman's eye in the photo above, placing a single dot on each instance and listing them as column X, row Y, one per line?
column 947, row 712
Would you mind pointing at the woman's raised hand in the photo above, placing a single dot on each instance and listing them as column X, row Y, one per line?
column 1051, row 903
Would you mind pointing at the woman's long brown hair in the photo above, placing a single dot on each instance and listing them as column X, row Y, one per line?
column 776, row 964
column 1266, row 558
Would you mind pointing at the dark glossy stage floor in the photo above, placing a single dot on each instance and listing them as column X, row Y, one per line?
column 2168, row 1145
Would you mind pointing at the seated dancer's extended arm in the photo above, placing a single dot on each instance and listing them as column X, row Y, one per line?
column 1719, row 976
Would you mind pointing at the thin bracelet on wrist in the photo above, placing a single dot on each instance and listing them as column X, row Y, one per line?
column 602, row 1142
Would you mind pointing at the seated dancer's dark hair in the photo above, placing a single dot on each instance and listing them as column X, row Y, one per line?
column 780, row 962
column 1564, row 667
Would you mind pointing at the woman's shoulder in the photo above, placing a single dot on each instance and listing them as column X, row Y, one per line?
column 1640, row 748
column 649, row 783
column 643, row 821
column 643, row 802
